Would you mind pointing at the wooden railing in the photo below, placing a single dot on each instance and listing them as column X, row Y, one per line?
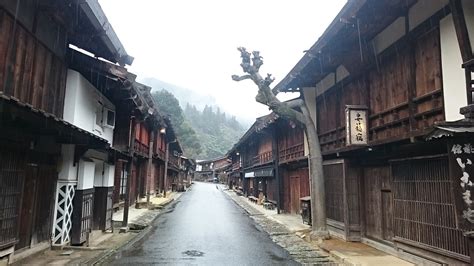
column 174, row 161
column 260, row 159
column 140, row 148
column 291, row 153
column 235, row 166
column 160, row 153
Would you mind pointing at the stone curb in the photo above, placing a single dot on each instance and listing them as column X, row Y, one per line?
column 341, row 257
column 106, row 254
column 277, row 234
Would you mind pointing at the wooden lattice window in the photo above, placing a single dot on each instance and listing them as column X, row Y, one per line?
column 424, row 211
column 12, row 176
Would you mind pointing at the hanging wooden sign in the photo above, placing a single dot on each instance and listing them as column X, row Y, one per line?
column 356, row 125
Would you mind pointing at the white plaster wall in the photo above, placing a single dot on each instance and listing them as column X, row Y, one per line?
column 82, row 100
column 98, row 176
column 424, row 9
column 468, row 7
column 389, row 35
column 67, row 170
column 454, row 87
column 109, row 175
column 86, row 175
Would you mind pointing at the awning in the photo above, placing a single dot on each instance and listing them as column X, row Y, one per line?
column 46, row 123
column 449, row 129
column 266, row 172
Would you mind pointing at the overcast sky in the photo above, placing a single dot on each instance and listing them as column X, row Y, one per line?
column 193, row 44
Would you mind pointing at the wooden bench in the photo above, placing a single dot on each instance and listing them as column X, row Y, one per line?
column 253, row 199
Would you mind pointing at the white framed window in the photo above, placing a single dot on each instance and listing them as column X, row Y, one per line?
column 108, row 118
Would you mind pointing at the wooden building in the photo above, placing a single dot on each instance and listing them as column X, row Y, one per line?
column 293, row 165
column 215, row 169
column 39, row 142
column 270, row 161
column 385, row 90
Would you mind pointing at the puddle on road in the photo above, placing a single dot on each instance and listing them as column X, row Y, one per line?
column 193, row 253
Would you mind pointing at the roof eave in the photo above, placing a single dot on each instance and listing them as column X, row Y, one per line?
column 97, row 17
column 288, row 82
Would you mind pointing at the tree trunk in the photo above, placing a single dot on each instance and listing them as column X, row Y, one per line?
column 288, row 110
column 318, row 197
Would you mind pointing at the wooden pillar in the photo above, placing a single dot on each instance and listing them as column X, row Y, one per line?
column 165, row 178
column 126, row 206
column 412, row 77
column 463, row 41
column 276, row 162
column 461, row 29
column 150, row 163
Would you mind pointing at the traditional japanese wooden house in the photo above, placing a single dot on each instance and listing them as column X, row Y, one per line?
column 287, row 169
column 173, row 167
column 293, row 165
column 38, row 143
column 253, row 160
column 143, row 139
column 204, row 170
column 383, row 88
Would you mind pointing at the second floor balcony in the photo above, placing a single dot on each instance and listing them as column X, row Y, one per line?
column 260, row 159
column 236, row 166
column 140, row 148
column 291, row 153
column 173, row 161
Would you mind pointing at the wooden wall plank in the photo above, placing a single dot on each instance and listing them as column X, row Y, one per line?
column 38, row 77
column 18, row 63
column 47, row 77
column 27, row 76
column 5, row 32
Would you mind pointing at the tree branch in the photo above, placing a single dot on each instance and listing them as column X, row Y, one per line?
column 251, row 63
column 240, row 78
column 295, row 103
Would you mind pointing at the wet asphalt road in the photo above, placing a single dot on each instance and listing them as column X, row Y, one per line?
column 204, row 227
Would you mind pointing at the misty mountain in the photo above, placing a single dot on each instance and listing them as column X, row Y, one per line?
column 205, row 134
column 184, row 95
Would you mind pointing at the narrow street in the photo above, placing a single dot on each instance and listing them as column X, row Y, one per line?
column 204, row 227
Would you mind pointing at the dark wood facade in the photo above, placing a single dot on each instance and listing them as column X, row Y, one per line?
column 270, row 160
column 30, row 70
column 397, row 189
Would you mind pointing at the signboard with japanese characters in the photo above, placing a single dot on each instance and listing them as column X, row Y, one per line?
column 461, row 168
column 356, row 125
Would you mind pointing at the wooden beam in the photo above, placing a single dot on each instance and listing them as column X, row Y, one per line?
column 461, row 29
column 80, row 61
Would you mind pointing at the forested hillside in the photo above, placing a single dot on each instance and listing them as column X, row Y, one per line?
column 205, row 134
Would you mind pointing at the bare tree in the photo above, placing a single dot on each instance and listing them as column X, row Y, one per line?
column 251, row 64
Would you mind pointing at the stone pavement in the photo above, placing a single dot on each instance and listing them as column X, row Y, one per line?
column 289, row 232
column 300, row 250
column 141, row 217
column 102, row 244
column 354, row 253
